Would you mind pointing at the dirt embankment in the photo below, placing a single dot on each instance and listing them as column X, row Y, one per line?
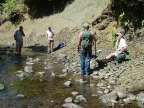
column 73, row 15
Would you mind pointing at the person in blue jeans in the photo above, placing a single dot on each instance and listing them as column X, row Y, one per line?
column 85, row 42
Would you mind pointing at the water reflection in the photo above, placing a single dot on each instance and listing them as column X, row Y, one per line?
column 85, row 89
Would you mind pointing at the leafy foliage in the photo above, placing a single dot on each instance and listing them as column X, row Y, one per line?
column 8, row 7
column 12, row 10
column 128, row 11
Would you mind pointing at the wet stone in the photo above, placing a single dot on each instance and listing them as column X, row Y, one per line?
column 127, row 100
column 74, row 93
column 62, row 75
column 64, row 70
column 71, row 105
column 68, row 100
column 106, row 91
column 67, row 83
column 140, row 97
column 28, row 69
column 20, row 96
column 80, row 98
column 132, row 97
column 110, row 98
column 122, row 93
column 1, row 86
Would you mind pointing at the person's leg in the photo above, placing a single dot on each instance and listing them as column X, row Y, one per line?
column 87, row 63
column 20, row 47
column 17, row 47
column 52, row 45
column 49, row 46
column 111, row 55
column 82, row 63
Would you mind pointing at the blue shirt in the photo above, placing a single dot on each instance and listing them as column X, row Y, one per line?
column 19, row 35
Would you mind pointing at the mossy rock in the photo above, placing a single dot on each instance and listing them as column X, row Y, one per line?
column 1, row 86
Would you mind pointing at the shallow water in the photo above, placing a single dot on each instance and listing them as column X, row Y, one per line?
column 44, row 91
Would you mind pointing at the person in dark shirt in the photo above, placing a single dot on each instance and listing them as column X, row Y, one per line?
column 18, row 36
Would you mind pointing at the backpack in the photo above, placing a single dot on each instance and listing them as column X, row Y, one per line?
column 86, row 40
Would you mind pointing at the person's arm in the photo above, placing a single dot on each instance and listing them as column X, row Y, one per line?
column 93, row 37
column 79, row 42
column 15, row 35
column 23, row 33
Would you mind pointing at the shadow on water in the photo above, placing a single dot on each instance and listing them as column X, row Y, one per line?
column 44, row 49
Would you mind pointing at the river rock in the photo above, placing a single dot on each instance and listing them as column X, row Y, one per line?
column 100, row 84
column 140, row 98
column 36, row 60
column 132, row 97
column 95, row 77
column 74, row 93
column 29, row 63
column 127, row 100
column 28, row 69
column 67, row 83
column 106, row 91
column 64, row 70
column 41, row 74
column 122, row 93
column 53, row 74
column 20, row 96
column 1, row 86
column 68, row 100
column 62, row 75
column 20, row 75
column 80, row 98
column 110, row 98
column 95, row 73
column 71, row 105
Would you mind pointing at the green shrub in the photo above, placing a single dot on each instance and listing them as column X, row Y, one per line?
column 8, row 7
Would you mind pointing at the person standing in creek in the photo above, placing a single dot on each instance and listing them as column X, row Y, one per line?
column 85, row 42
column 18, row 36
column 50, row 35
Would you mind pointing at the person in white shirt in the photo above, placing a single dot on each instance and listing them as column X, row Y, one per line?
column 50, row 35
column 121, row 45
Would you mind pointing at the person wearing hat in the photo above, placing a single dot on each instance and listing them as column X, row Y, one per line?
column 85, row 42
column 121, row 45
